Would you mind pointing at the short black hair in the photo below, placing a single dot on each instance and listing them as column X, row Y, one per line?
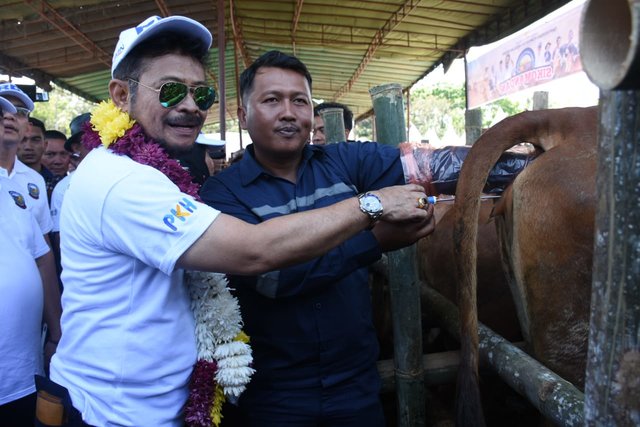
column 54, row 134
column 37, row 123
column 135, row 62
column 272, row 58
column 347, row 114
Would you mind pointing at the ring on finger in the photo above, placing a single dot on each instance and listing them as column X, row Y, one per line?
column 422, row 202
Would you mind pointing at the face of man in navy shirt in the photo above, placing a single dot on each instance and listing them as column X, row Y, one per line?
column 278, row 114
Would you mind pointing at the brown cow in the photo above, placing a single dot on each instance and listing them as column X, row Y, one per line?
column 436, row 268
column 546, row 238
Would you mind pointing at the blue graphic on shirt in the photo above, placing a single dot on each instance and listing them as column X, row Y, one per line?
column 182, row 211
column 34, row 191
column 19, row 199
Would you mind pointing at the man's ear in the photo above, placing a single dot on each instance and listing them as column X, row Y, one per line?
column 119, row 92
column 242, row 117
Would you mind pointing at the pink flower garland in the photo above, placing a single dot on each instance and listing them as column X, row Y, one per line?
column 144, row 150
column 137, row 146
column 224, row 351
column 201, row 394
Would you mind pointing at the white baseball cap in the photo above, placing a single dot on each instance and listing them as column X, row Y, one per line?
column 205, row 140
column 155, row 25
column 9, row 89
column 7, row 106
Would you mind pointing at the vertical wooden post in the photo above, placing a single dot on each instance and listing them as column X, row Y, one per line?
column 612, row 389
column 610, row 50
column 540, row 100
column 222, row 95
column 403, row 279
column 333, row 125
column 472, row 125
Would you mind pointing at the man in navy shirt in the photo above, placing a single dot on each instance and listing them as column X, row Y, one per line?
column 310, row 325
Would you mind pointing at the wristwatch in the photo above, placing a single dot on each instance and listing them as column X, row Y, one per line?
column 371, row 205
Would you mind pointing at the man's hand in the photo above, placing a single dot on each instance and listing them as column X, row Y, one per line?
column 50, row 348
column 400, row 203
column 396, row 235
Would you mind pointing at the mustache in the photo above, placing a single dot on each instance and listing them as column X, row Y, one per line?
column 185, row 120
column 288, row 128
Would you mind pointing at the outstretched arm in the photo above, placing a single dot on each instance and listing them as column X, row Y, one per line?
column 232, row 246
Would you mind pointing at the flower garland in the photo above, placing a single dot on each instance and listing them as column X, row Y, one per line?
column 223, row 368
column 114, row 129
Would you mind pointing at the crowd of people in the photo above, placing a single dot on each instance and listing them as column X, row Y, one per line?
column 294, row 223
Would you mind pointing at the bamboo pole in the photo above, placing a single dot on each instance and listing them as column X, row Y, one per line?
column 439, row 368
column 610, row 46
column 333, row 125
column 555, row 398
column 403, row 279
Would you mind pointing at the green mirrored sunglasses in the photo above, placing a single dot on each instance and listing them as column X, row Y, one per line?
column 171, row 94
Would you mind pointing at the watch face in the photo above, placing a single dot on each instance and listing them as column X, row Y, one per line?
column 371, row 203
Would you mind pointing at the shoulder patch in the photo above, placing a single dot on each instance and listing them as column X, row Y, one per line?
column 19, row 199
column 34, row 191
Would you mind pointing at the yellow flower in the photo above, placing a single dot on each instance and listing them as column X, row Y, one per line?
column 242, row 336
column 110, row 122
column 216, row 408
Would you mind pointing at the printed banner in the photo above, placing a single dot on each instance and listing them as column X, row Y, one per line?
column 542, row 52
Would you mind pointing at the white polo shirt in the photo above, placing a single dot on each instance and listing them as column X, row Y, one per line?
column 57, row 196
column 128, row 340
column 35, row 191
column 21, row 293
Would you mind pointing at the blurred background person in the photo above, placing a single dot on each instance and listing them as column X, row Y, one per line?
column 73, row 144
column 31, row 152
column 55, row 157
column 318, row 137
column 76, row 152
column 214, row 153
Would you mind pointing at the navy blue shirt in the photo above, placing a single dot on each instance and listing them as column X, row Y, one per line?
column 310, row 324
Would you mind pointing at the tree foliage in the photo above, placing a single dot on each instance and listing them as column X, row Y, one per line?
column 61, row 108
column 441, row 108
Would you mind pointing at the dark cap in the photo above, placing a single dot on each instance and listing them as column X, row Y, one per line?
column 76, row 130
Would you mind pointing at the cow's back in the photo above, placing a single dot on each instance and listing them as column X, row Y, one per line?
column 547, row 246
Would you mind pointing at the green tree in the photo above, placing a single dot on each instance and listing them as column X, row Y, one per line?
column 61, row 108
column 364, row 129
column 498, row 110
column 438, row 108
column 443, row 106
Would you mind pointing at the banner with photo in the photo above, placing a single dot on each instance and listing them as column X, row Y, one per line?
column 542, row 52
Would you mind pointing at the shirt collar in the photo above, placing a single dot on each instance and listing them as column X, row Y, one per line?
column 250, row 169
column 19, row 167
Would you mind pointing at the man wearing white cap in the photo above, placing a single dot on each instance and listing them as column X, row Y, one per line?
column 15, row 126
column 132, row 220
column 214, row 153
column 32, row 188
column 21, row 305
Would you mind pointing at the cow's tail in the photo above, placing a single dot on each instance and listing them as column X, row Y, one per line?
column 542, row 128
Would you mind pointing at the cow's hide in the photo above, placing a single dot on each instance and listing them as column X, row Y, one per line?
column 436, row 269
column 546, row 233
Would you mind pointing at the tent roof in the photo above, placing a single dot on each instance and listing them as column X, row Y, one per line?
column 348, row 46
